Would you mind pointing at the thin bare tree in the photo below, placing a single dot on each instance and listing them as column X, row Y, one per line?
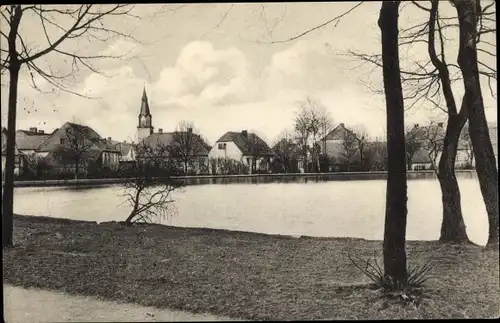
column 350, row 145
column 432, row 141
column 285, row 150
column 362, row 139
column 413, row 143
column 186, row 145
column 75, row 147
column 326, row 125
column 303, row 134
column 258, row 150
column 149, row 190
column 312, row 122
column 68, row 23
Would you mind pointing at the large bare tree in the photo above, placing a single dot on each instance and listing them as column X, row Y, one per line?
column 60, row 25
column 396, row 209
column 468, row 13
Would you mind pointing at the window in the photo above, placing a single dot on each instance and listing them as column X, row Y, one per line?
column 222, row 145
column 62, row 141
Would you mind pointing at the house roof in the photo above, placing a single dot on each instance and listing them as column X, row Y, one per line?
column 53, row 140
column 338, row 133
column 28, row 140
column 167, row 138
column 248, row 145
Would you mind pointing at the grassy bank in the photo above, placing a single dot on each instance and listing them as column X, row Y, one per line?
column 239, row 274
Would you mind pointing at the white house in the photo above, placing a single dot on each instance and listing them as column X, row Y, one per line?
column 245, row 147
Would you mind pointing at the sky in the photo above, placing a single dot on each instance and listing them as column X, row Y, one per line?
column 224, row 67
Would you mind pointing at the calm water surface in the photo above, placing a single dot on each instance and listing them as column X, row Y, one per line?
column 330, row 209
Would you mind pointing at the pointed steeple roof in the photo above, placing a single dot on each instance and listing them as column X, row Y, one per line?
column 144, row 104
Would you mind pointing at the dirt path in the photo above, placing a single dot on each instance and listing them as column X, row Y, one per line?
column 34, row 305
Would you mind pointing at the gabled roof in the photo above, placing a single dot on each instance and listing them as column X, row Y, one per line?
column 28, row 140
column 338, row 133
column 54, row 139
column 167, row 138
column 248, row 145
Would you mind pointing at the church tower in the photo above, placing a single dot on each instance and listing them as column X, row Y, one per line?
column 145, row 128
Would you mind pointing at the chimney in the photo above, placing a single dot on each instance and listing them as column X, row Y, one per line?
column 33, row 129
column 160, row 130
column 41, row 132
column 109, row 138
column 342, row 125
column 190, row 130
column 244, row 133
column 415, row 125
column 440, row 124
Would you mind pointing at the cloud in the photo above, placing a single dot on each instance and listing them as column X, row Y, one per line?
column 205, row 76
column 218, row 89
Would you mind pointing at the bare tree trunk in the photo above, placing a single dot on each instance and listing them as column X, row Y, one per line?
column 478, row 128
column 453, row 226
column 8, row 189
column 396, row 210
column 77, row 166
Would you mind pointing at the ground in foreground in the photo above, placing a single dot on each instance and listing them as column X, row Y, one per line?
column 35, row 305
column 240, row 274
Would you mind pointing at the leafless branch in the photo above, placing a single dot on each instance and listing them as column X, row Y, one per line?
column 335, row 20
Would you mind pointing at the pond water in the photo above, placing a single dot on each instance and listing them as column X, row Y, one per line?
column 316, row 208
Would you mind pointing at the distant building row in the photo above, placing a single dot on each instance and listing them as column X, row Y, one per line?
column 79, row 149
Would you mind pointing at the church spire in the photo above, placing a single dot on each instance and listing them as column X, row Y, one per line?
column 145, row 127
column 144, row 104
